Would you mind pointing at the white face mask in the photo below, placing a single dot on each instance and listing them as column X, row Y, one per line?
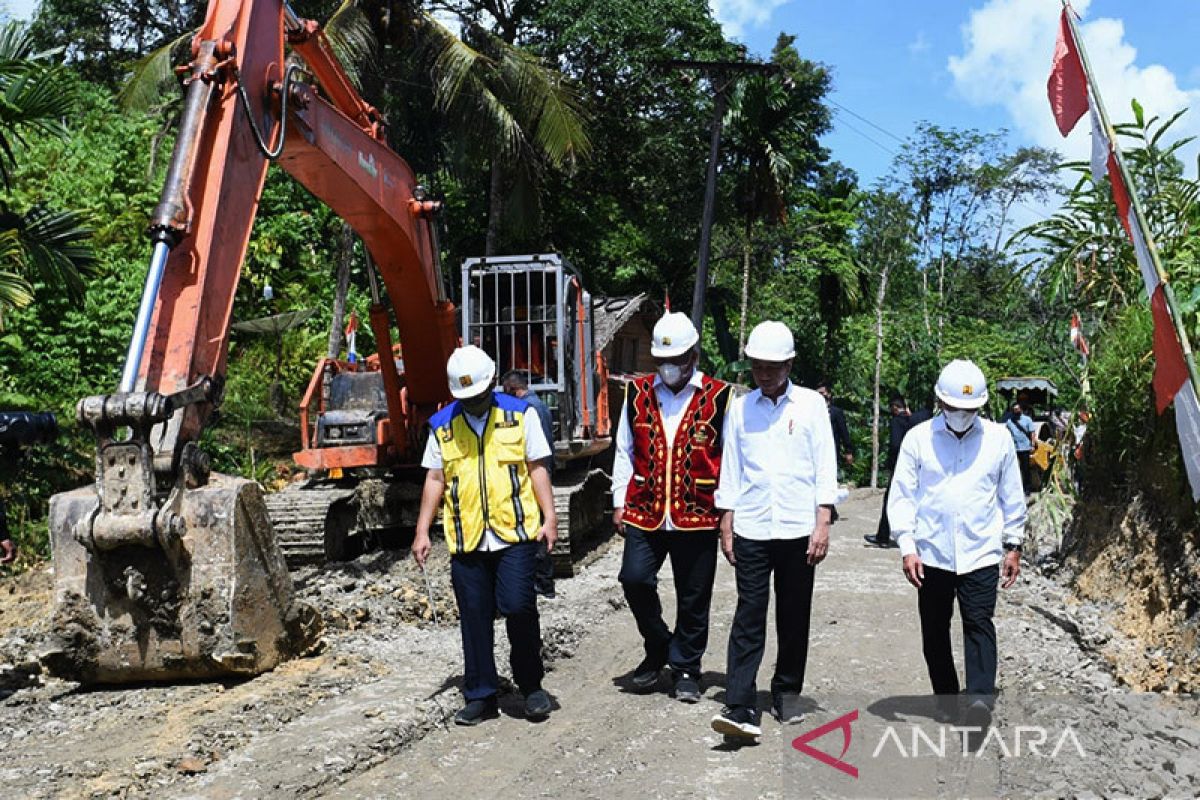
column 671, row 374
column 959, row 420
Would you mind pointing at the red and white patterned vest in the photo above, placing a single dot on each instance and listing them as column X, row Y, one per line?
column 682, row 474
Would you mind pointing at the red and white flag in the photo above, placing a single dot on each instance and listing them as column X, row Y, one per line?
column 351, row 336
column 1071, row 96
column 1079, row 341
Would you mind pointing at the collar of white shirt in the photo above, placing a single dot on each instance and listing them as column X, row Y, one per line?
column 791, row 395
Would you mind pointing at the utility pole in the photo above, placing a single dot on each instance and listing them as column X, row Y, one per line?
column 721, row 76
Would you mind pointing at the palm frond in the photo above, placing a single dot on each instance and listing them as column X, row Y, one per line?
column 56, row 245
column 353, row 41
column 152, row 76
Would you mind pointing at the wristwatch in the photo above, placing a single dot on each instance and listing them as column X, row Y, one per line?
column 1012, row 548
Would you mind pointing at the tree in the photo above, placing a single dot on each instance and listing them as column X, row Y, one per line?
column 773, row 128
column 36, row 243
column 883, row 245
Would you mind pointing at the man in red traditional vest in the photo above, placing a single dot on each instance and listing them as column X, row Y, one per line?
column 665, row 470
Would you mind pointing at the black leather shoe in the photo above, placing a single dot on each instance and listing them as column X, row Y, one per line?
column 537, row 705
column 476, row 711
column 646, row 674
column 786, row 707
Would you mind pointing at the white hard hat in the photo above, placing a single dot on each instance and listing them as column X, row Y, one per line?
column 470, row 372
column 674, row 335
column 961, row 385
column 771, row 341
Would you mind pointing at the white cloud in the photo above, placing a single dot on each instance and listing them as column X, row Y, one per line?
column 736, row 16
column 19, row 9
column 1008, row 47
column 919, row 45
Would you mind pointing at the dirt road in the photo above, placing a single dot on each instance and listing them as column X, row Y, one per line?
column 369, row 716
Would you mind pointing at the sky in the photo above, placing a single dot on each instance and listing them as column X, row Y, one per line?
column 977, row 64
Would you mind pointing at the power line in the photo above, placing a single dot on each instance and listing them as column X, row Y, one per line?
column 879, row 128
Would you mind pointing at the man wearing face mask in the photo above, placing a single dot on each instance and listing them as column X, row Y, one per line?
column 665, row 471
column 486, row 464
column 957, row 512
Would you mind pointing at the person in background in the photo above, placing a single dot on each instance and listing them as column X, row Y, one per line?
column 1024, row 437
column 665, row 467
column 958, row 514
column 8, row 550
column 485, row 461
column 903, row 420
column 776, row 495
column 837, row 419
column 516, row 383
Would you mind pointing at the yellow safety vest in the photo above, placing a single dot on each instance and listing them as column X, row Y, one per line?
column 487, row 477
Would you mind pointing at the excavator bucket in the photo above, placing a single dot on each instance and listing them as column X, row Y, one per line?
column 218, row 602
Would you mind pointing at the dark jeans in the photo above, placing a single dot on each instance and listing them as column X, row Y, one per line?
column 1023, row 463
column 487, row 582
column 976, row 594
column 787, row 559
column 693, row 557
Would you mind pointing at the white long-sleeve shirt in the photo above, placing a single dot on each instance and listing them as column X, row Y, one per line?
column 779, row 464
column 671, row 405
column 957, row 502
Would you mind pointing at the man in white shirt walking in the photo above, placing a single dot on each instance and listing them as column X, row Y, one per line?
column 665, row 469
column 957, row 511
column 777, row 491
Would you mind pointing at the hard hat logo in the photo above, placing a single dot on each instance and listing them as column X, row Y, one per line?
column 666, row 341
column 465, row 380
column 968, row 389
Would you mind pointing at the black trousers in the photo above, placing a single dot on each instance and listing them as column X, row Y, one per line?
column 487, row 582
column 883, row 532
column 1023, row 463
column 693, row 557
column 976, row 594
column 757, row 561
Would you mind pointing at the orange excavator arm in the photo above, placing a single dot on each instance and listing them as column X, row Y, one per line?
column 240, row 93
column 163, row 569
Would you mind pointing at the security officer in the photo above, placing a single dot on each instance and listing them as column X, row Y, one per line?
column 485, row 464
column 957, row 512
column 665, row 469
column 778, row 487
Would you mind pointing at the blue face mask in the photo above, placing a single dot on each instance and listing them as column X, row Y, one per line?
column 959, row 420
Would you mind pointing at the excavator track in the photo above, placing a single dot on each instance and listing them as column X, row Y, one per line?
column 311, row 523
column 581, row 506
column 317, row 522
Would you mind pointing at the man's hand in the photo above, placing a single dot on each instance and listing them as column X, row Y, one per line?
column 1010, row 568
column 10, row 551
column 818, row 543
column 726, row 526
column 549, row 533
column 421, row 547
column 914, row 570
column 619, row 521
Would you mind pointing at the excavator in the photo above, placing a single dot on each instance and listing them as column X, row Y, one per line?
column 164, row 569
column 532, row 314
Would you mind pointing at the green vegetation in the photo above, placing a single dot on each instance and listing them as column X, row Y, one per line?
column 561, row 125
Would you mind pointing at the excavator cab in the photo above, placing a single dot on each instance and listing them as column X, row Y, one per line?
column 532, row 313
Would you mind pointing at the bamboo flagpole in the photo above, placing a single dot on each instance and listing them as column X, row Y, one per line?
column 1073, row 91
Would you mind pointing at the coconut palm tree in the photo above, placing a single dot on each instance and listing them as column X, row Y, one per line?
column 49, row 246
